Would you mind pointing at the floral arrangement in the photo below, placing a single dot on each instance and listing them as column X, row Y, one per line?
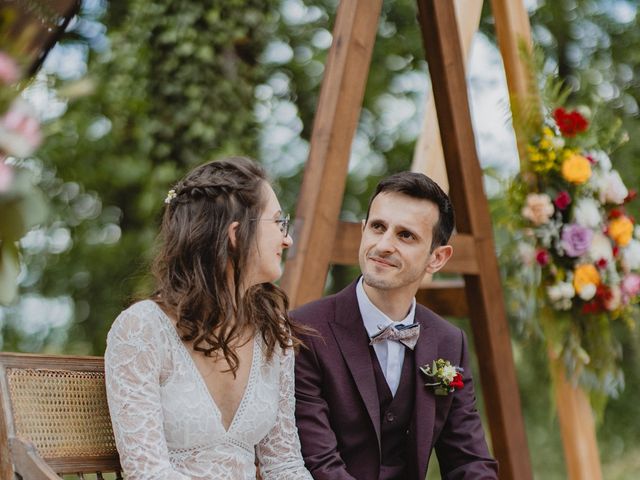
column 581, row 246
column 443, row 377
column 22, row 204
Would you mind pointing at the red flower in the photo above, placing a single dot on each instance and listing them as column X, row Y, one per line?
column 592, row 160
column 562, row 200
column 602, row 263
column 591, row 307
column 570, row 123
column 632, row 194
column 615, row 213
column 457, row 382
column 616, row 250
column 542, row 257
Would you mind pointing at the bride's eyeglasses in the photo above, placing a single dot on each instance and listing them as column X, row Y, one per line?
column 283, row 222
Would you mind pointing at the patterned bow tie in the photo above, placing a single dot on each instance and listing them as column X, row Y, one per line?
column 405, row 334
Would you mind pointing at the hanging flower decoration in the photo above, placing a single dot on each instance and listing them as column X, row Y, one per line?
column 569, row 208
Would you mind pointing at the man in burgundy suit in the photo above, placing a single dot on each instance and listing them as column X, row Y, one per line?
column 362, row 408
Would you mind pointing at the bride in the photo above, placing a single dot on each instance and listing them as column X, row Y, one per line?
column 200, row 376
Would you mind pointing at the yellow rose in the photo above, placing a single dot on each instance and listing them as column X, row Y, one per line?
column 621, row 230
column 585, row 275
column 576, row 169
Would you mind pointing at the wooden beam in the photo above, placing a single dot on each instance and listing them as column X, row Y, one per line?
column 513, row 31
column 347, row 243
column 483, row 291
column 446, row 297
column 428, row 157
column 325, row 174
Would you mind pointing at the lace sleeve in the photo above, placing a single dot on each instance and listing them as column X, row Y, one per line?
column 133, row 362
column 278, row 453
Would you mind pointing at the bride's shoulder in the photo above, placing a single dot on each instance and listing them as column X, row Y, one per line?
column 142, row 318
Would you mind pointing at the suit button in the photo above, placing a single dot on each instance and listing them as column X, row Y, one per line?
column 390, row 417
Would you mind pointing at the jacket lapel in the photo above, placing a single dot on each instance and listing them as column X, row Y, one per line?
column 426, row 351
column 351, row 337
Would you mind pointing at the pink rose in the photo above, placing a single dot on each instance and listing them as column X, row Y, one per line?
column 538, row 208
column 20, row 131
column 630, row 286
column 9, row 71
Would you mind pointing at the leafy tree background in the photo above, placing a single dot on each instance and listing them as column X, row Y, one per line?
column 174, row 84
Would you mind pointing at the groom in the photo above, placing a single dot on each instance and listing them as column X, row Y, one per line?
column 362, row 408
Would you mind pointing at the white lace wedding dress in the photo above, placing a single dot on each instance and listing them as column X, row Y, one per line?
column 166, row 423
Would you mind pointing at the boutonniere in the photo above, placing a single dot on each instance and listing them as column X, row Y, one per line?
column 443, row 377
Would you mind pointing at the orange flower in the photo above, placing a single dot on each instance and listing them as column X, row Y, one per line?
column 621, row 230
column 576, row 169
column 585, row 275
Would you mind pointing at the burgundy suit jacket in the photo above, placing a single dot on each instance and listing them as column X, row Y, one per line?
column 338, row 410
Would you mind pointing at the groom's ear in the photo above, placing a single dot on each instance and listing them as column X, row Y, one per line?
column 438, row 258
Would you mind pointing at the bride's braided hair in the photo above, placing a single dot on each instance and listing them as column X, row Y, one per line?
column 191, row 266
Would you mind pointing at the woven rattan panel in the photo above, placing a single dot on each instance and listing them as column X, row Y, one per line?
column 63, row 413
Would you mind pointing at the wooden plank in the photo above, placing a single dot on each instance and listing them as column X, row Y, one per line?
column 513, row 31
column 6, row 427
column 577, row 426
column 428, row 157
column 483, row 291
column 445, row 298
column 325, row 174
column 347, row 243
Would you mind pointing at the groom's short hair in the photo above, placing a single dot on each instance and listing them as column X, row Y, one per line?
column 418, row 185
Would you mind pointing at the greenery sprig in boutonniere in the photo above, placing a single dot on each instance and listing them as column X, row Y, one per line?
column 443, row 377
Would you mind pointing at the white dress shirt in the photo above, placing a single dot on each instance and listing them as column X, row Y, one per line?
column 390, row 353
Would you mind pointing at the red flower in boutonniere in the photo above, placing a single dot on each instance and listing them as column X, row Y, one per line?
column 444, row 377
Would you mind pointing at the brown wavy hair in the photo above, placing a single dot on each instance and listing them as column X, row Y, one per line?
column 190, row 269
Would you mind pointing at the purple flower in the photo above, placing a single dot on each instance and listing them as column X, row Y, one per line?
column 576, row 239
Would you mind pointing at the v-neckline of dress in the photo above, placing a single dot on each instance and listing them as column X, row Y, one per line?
column 203, row 386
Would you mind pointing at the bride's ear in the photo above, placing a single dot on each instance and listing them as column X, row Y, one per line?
column 231, row 231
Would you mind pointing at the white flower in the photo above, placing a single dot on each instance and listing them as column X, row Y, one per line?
column 527, row 253
column 612, row 188
column 561, row 294
column 600, row 248
column 448, row 373
column 602, row 159
column 587, row 213
column 587, row 292
column 631, row 255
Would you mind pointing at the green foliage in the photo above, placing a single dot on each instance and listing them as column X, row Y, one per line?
column 173, row 89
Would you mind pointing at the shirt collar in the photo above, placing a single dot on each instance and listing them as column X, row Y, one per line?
column 374, row 320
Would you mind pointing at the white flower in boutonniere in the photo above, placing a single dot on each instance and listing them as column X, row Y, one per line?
column 443, row 377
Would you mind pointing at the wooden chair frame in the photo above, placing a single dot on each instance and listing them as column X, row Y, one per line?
column 19, row 454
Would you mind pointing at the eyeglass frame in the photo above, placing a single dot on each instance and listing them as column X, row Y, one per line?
column 284, row 223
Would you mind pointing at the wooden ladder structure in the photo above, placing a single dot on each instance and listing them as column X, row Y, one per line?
column 321, row 239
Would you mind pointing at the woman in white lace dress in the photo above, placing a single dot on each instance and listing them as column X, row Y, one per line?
column 200, row 376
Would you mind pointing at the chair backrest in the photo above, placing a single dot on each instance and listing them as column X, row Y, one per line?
column 59, row 405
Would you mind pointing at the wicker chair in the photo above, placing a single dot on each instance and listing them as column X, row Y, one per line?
column 54, row 418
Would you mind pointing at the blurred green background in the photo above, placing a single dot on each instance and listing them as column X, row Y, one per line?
column 138, row 92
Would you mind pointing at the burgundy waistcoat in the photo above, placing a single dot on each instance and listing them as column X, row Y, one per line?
column 395, row 417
